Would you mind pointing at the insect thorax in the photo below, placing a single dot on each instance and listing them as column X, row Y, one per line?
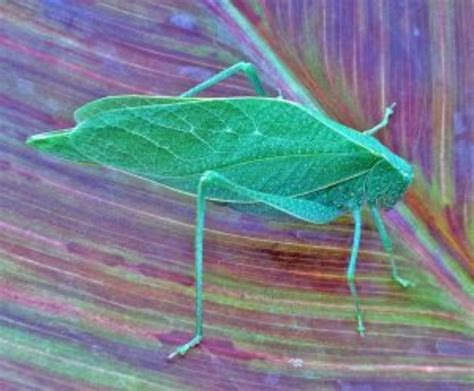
column 382, row 187
column 387, row 183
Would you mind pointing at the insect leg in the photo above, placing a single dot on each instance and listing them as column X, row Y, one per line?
column 198, row 271
column 387, row 244
column 352, row 268
column 244, row 67
column 305, row 210
column 383, row 123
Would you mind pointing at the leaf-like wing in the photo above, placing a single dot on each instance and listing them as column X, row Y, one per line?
column 108, row 103
column 58, row 144
column 267, row 145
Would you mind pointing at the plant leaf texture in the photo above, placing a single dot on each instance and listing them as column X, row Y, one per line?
column 96, row 267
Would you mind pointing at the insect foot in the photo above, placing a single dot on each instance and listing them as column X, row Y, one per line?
column 360, row 326
column 402, row 281
column 389, row 109
column 183, row 349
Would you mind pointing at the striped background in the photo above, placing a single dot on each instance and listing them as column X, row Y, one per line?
column 96, row 266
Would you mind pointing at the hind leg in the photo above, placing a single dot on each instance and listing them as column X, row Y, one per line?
column 302, row 209
column 247, row 68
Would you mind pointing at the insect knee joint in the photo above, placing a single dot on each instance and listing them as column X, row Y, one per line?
column 246, row 66
column 208, row 176
column 350, row 277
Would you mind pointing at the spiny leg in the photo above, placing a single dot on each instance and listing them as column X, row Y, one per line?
column 198, row 271
column 245, row 67
column 352, row 268
column 387, row 244
column 383, row 123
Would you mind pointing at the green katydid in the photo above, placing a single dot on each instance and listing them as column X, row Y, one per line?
column 253, row 151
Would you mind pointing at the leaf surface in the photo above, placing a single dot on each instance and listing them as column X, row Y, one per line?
column 96, row 269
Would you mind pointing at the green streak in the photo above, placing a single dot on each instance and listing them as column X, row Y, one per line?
column 75, row 363
column 456, row 272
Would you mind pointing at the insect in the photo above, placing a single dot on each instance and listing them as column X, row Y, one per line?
column 260, row 152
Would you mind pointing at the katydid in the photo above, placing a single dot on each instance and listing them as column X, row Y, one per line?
column 254, row 151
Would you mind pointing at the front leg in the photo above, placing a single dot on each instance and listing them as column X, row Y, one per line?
column 383, row 123
column 387, row 244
